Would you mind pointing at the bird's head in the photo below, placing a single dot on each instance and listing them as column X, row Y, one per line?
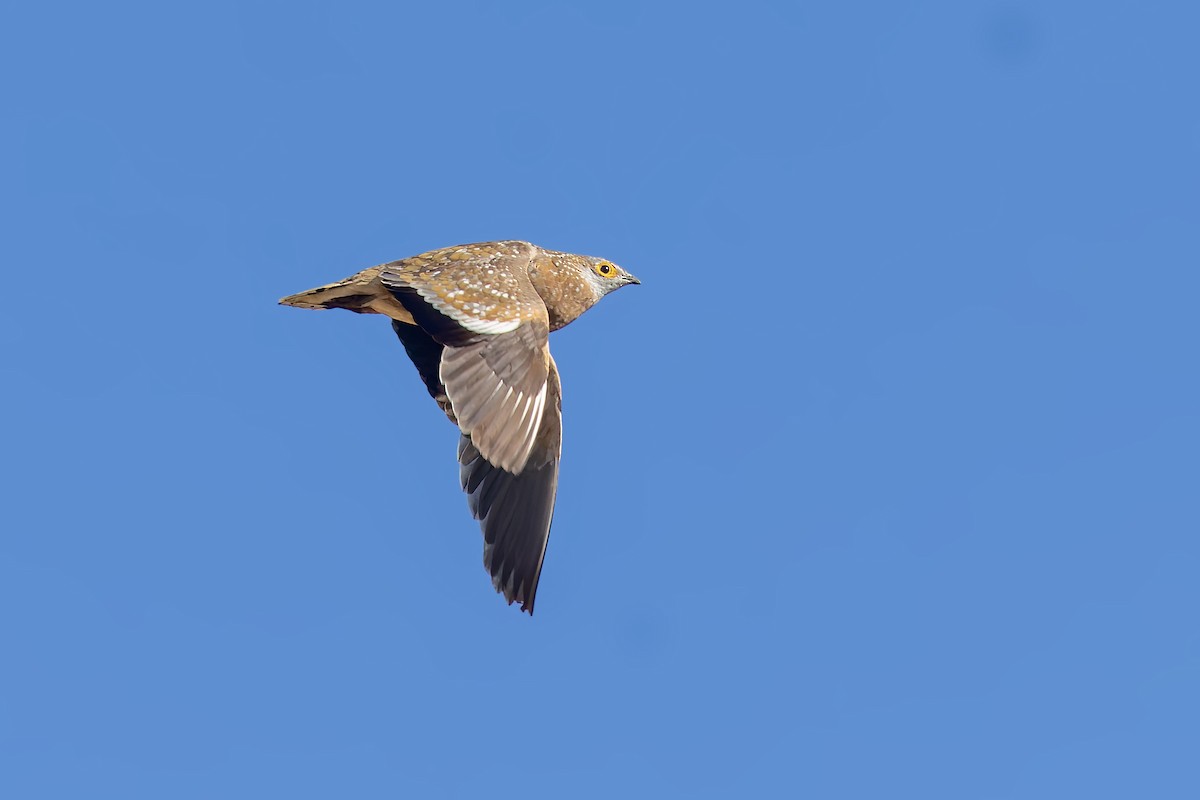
column 604, row 275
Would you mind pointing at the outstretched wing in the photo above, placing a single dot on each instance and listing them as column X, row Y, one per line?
column 515, row 511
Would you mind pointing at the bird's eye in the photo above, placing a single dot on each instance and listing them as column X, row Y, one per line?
column 605, row 270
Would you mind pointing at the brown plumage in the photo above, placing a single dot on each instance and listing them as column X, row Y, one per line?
column 475, row 319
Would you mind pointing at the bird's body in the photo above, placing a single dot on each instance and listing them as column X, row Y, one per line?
column 474, row 319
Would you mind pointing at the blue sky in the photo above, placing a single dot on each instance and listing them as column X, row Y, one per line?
column 884, row 483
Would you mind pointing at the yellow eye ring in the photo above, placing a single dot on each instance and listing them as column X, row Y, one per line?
column 605, row 269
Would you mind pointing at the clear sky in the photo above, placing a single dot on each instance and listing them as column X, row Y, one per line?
column 884, row 484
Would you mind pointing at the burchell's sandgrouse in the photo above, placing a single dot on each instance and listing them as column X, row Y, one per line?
column 474, row 319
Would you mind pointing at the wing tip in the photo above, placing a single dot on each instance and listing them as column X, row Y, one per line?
column 506, row 583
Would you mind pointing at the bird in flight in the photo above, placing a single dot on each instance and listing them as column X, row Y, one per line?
column 475, row 320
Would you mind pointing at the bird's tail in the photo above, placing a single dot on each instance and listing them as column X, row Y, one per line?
column 354, row 293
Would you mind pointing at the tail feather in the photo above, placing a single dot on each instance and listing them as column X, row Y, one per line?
column 349, row 294
column 361, row 293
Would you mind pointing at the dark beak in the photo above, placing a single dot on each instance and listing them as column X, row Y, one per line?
column 630, row 279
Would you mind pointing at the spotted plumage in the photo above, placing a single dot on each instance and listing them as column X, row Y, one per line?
column 474, row 319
